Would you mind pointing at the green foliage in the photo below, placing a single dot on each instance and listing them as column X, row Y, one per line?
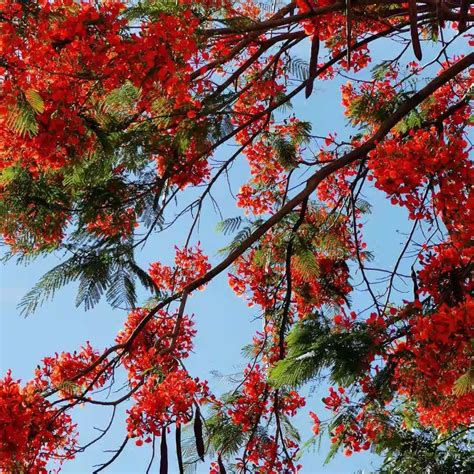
column 313, row 346
column 91, row 175
column 241, row 236
column 306, row 263
column 152, row 9
column 71, row 388
column 238, row 22
column 379, row 70
column 120, row 100
column 299, row 68
column 302, row 132
column 34, row 100
column 412, row 121
column 261, row 257
column 21, row 120
column 363, row 206
column 375, row 107
column 37, row 202
column 219, row 129
column 332, row 451
column 290, row 430
column 286, row 105
column 112, row 271
column 229, row 225
column 423, row 451
column 465, row 383
column 224, row 436
column 285, row 151
column 270, row 6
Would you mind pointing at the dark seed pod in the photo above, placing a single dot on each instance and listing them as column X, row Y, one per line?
column 221, row 465
column 313, row 65
column 163, row 453
column 348, row 31
column 198, row 434
column 179, row 452
column 415, row 39
column 463, row 10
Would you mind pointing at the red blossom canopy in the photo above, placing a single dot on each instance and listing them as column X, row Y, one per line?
column 114, row 113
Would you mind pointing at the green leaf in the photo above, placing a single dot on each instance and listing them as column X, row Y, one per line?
column 238, row 22
column 47, row 286
column 299, row 68
column 229, row 225
column 464, row 384
column 111, row 271
column 285, row 152
column 314, row 347
column 21, row 120
column 35, row 100
column 306, row 263
column 379, row 70
column 224, row 436
column 290, row 430
column 69, row 387
column 241, row 236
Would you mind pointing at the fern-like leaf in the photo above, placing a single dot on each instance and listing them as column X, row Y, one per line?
column 464, row 384
column 47, row 286
column 306, row 264
column 35, row 101
column 21, row 120
column 230, row 225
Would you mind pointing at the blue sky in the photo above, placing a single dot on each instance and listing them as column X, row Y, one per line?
column 224, row 322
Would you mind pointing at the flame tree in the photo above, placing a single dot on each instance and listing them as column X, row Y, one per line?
column 113, row 112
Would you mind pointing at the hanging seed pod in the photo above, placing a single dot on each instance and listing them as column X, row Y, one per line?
column 163, row 453
column 415, row 39
column 313, row 65
column 348, row 31
column 439, row 15
column 179, row 451
column 198, row 434
column 221, row 465
column 462, row 25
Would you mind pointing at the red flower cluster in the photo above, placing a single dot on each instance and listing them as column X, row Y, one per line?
column 268, row 174
column 440, row 352
column 163, row 392
column 259, row 274
column 445, row 274
column 114, row 224
column 35, row 229
column 190, row 264
column 188, row 168
column 55, row 51
column 159, row 345
column 163, row 399
column 358, row 433
column 316, row 423
column 404, row 169
column 266, row 458
column 356, row 436
column 259, row 195
column 253, row 402
column 61, row 372
column 32, row 431
column 335, row 399
column 256, row 403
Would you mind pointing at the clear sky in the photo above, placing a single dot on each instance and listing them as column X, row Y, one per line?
column 224, row 322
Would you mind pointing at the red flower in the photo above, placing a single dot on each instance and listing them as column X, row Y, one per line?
column 32, row 431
